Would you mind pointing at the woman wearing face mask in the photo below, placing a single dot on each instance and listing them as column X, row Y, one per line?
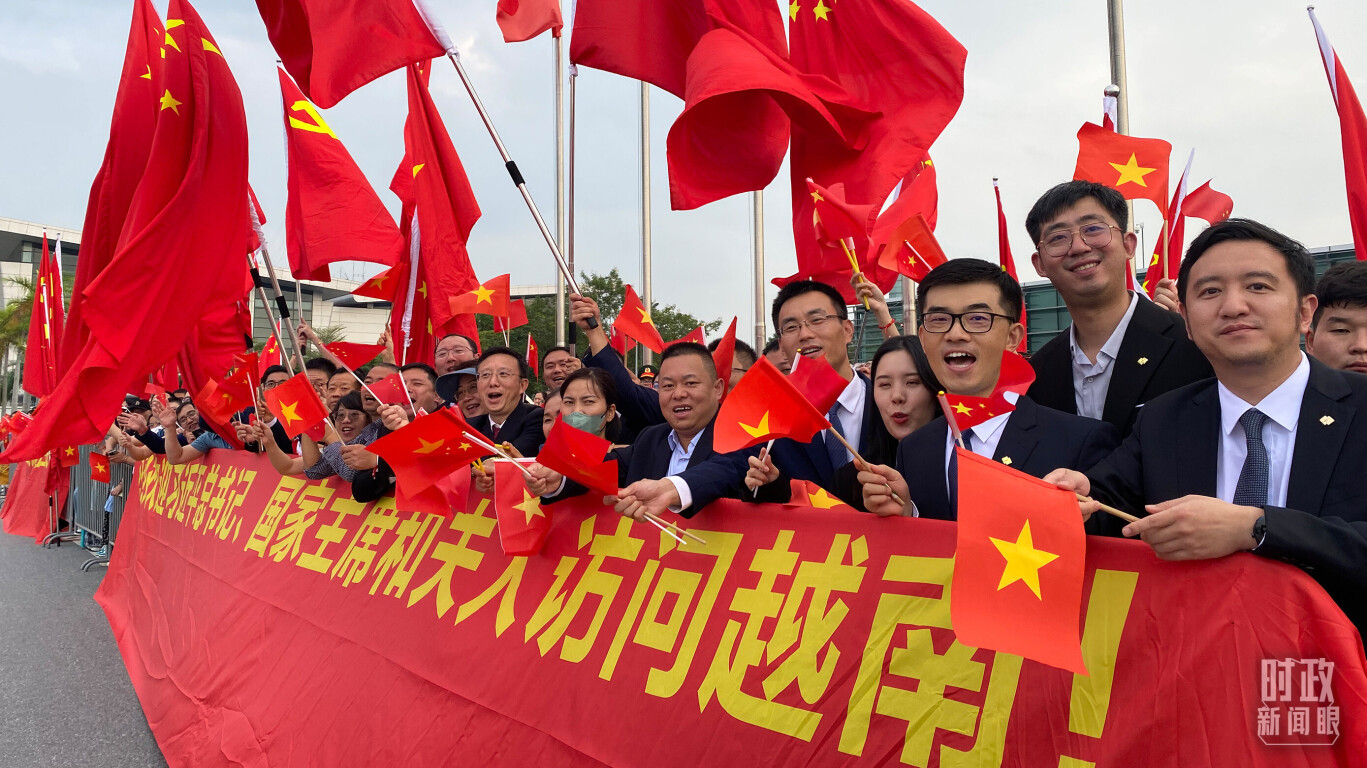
column 588, row 402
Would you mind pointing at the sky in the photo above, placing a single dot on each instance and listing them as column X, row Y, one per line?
column 1241, row 81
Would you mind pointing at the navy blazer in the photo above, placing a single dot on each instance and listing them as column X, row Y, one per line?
column 809, row 461
column 1174, row 449
column 1035, row 440
column 1154, row 336
column 522, row 429
column 638, row 404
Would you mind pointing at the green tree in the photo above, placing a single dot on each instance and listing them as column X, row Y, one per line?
column 672, row 323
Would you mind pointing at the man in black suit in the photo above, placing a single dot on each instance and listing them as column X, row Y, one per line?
column 1121, row 350
column 1338, row 332
column 970, row 317
column 671, row 465
column 373, row 477
column 1268, row 457
column 638, row 404
column 502, row 380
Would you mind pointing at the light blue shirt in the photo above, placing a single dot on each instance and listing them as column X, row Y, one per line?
column 678, row 461
column 209, row 439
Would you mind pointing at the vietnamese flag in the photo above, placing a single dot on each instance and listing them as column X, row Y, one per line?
column 522, row 522
column 806, row 493
column 1353, row 129
column 817, row 381
column 533, row 356
column 332, row 213
column 333, row 47
column 390, row 390
column 296, row 404
column 354, row 355
column 488, row 298
column 380, row 287
column 517, row 316
column 911, row 249
column 764, row 406
column 521, row 20
column 579, row 455
column 99, row 467
column 428, row 449
column 1135, row 167
column 724, row 356
column 68, row 456
column 634, row 321
column 1019, row 565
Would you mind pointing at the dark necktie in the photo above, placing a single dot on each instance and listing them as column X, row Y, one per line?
column 1252, row 488
column 834, row 448
column 954, row 476
column 494, row 428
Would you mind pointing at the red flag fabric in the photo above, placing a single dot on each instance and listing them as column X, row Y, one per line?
column 764, row 406
column 191, row 201
column 488, row 298
column 1205, row 203
column 695, row 336
column 724, row 356
column 517, row 316
column 1016, row 376
column 579, row 455
column 646, row 40
column 28, row 504
column 68, row 456
column 533, row 357
column 1136, row 167
column 19, row 422
column 332, row 213
column 817, row 381
column 1353, row 130
column 333, row 47
column 1004, row 251
column 1170, row 238
column 522, row 522
column 355, row 355
column 521, row 20
column 620, row 341
column 908, row 69
column 806, row 493
column 215, row 347
column 911, row 249
column 428, row 449
column 390, row 390
column 99, row 467
column 380, row 286
column 217, row 404
column 634, row 321
column 255, row 236
column 295, row 403
column 270, row 355
column 834, row 218
column 1018, row 566
column 44, row 328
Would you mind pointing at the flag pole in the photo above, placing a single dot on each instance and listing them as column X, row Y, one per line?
column 280, row 302
column 757, row 256
column 561, row 318
column 646, row 292
column 569, row 180
column 266, row 305
column 516, row 175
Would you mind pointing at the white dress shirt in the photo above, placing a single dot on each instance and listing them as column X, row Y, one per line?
column 1282, row 406
column 850, row 411
column 986, row 436
column 1091, row 381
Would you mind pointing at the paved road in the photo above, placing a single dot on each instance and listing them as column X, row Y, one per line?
column 65, row 699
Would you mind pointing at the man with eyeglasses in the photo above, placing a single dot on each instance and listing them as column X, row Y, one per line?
column 273, row 377
column 970, row 317
column 1121, row 350
column 453, row 352
column 501, row 379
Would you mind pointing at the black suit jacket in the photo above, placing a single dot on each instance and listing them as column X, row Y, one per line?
column 1174, row 449
column 1035, row 440
column 1156, row 336
column 522, row 429
column 809, row 461
column 637, row 404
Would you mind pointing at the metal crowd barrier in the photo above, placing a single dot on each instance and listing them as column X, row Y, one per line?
column 93, row 515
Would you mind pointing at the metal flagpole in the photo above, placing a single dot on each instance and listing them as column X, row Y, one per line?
column 757, row 254
column 645, row 205
column 265, row 304
column 908, row 306
column 1120, row 90
column 280, row 302
column 569, row 192
column 561, row 318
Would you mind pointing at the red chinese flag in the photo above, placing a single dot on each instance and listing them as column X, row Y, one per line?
column 634, row 321
column 488, row 298
column 270, row 355
column 1018, row 566
column 696, row 336
column 646, row 40
column 296, row 404
column 333, row 47
column 156, row 392
column 578, row 455
column 521, row 20
column 969, row 412
column 533, row 357
column 517, row 316
column 19, row 421
column 256, row 237
column 522, row 522
column 44, row 329
column 724, row 356
column 1134, row 166
column 911, row 249
column 1207, row 204
column 68, row 456
column 763, row 406
column 835, row 219
column 1353, row 130
column 1004, row 249
column 354, row 355
column 191, row 201
column 217, row 403
column 239, row 381
column 332, row 213
column 390, row 390
column 817, row 381
column 428, row 449
column 99, row 467
column 380, row 286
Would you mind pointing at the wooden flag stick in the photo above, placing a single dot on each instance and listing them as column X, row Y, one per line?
column 499, row 451
column 1127, row 517
column 763, row 454
column 675, row 527
column 854, row 264
column 949, row 417
column 863, row 461
column 658, row 523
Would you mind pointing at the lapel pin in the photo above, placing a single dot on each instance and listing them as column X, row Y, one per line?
column 1143, row 361
column 1006, row 460
column 1326, row 420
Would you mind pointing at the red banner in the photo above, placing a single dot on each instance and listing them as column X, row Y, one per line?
column 27, row 510
column 276, row 621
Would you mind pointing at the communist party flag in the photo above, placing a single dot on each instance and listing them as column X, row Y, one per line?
column 354, row 355
column 724, row 356
column 1019, row 564
column 517, row 316
column 911, row 249
column 296, row 404
column 1353, row 129
column 380, row 286
column 99, row 467
column 521, row 20
column 522, row 522
column 909, row 70
column 429, row 448
column 763, row 406
column 533, row 357
column 1133, row 166
column 134, row 119
column 44, row 328
column 191, row 201
column 333, row 47
column 817, row 381
column 579, row 455
column 1004, row 250
column 488, row 298
column 634, row 321
column 332, row 213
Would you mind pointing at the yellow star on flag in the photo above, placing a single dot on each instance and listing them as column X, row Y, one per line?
column 169, row 102
column 147, row 76
column 793, row 9
column 422, row 288
column 428, row 447
column 821, row 10
column 171, row 41
column 816, row 197
column 417, row 168
column 963, row 409
column 530, row 506
column 483, row 295
column 1132, row 172
column 645, row 316
column 289, row 412
column 1023, row 561
column 70, row 451
column 823, row 500
column 209, row 46
column 762, row 428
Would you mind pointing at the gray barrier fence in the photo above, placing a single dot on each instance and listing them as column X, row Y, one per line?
column 90, row 507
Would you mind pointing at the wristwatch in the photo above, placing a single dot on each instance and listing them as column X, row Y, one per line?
column 1259, row 531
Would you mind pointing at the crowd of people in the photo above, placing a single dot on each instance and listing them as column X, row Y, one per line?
column 1197, row 411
